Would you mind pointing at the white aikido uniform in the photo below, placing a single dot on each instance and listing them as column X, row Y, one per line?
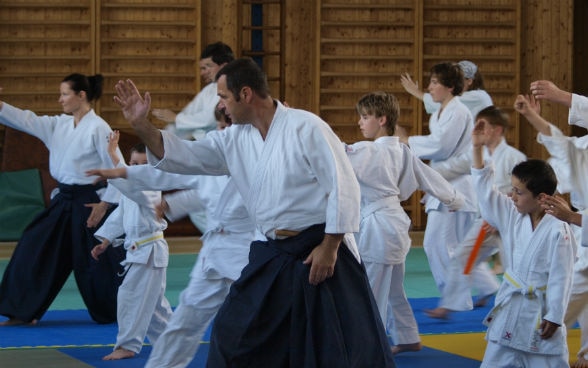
column 450, row 136
column 31, row 282
column 142, row 309
column 389, row 173
column 296, row 178
column 537, row 283
column 456, row 295
column 197, row 117
column 224, row 253
column 475, row 100
column 193, row 122
column 569, row 159
column 250, row 158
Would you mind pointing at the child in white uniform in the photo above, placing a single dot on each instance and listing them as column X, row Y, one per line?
column 525, row 327
column 450, row 135
column 457, row 295
column 224, row 253
column 389, row 173
column 143, row 309
column 569, row 158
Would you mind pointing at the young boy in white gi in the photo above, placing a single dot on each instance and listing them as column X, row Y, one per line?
column 389, row 173
column 450, row 135
column 525, row 327
column 457, row 295
column 569, row 158
column 143, row 309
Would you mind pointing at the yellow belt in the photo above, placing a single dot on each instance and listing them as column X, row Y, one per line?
column 138, row 243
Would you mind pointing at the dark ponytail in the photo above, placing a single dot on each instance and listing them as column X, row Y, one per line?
column 91, row 85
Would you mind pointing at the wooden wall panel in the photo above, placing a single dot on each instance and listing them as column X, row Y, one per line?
column 364, row 46
column 42, row 42
column 219, row 22
column 547, row 44
column 157, row 44
column 334, row 50
column 484, row 32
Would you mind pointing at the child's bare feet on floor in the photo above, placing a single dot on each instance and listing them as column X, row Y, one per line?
column 17, row 322
column 439, row 313
column 118, row 354
column 402, row 348
column 482, row 301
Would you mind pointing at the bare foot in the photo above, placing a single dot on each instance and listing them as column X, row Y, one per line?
column 402, row 348
column 482, row 301
column 439, row 313
column 580, row 363
column 17, row 322
column 118, row 354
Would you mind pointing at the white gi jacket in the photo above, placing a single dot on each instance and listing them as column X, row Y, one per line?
column 450, row 136
column 229, row 229
column 504, row 158
column 389, row 173
column 538, row 280
column 135, row 218
column 198, row 115
column 298, row 176
column 569, row 159
column 72, row 150
column 475, row 100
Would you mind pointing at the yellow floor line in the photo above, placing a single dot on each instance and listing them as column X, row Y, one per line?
column 472, row 345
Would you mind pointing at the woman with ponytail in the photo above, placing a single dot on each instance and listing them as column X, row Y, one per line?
column 59, row 240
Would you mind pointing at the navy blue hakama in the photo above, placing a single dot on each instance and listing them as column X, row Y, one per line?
column 273, row 317
column 56, row 242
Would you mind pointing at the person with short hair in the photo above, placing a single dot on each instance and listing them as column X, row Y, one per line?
column 526, row 325
column 389, row 173
column 457, row 294
column 474, row 94
column 450, row 135
column 303, row 299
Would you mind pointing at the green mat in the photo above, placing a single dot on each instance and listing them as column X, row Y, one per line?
column 21, row 200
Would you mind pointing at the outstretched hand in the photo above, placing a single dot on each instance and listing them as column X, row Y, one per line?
column 526, row 105
column 134, row 107
column 410, row 86
column 104, row 174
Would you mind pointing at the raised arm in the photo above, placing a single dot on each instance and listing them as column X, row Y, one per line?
column 410, row 86
column 530, row 108
column 547, row 90
column 136, row 110
column 478, row 145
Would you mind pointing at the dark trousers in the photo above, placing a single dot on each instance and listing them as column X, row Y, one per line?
column 273, row 317
column 56, row 242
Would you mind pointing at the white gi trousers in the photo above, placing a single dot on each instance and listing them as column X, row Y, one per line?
column 387, row 282
column 198, row 305
column 142, row 308
column 499, row 356
column 444, row 232
column 577, row 308
column 456, row 294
